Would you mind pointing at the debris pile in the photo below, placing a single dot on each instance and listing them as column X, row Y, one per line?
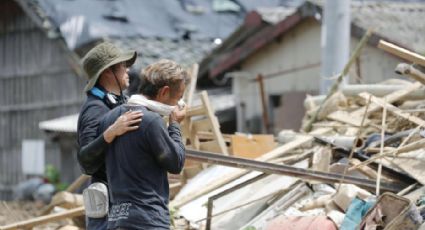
column 358, row 163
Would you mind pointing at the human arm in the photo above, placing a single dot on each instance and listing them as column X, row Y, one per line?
column 91, row 155
column 166, row 145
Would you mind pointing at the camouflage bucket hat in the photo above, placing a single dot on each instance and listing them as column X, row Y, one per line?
column 101, row 57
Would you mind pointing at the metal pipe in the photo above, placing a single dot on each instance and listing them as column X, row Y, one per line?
column 286, row 170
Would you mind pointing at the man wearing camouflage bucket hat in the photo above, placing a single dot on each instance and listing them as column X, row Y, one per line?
column 107, row 70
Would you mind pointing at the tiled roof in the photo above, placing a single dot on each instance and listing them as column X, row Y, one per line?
column 184, row 52
column 401, row 22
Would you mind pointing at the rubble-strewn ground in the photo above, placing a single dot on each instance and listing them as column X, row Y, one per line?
column 16, row 211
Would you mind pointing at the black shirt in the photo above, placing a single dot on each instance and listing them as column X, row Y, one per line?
column 137, row 164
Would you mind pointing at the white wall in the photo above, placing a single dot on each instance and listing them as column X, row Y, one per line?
column 297, row 48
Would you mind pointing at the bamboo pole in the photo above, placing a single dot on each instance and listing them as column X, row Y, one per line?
column 359, row 130
column 340, row 77
column 384, row 118
column 266, row 121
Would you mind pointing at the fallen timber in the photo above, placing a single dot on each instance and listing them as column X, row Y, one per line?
column 271, row 168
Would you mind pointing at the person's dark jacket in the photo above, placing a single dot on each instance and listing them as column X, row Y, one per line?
column 137, row 165
column 91, row 153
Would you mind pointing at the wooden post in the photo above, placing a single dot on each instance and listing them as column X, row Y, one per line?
column 266, row 121
column 214, row 122
column 188, row 98
column 77, row 183
column 344, row 72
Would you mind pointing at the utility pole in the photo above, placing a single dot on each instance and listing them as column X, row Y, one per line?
column 335, row 41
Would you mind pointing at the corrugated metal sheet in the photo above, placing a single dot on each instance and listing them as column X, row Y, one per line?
column 66, row 124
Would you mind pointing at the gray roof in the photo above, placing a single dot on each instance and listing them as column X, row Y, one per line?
column 184, row 52
column 400, row 22
column 81, row 22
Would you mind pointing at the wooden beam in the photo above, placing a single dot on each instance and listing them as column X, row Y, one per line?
column 77, row 183
column 44, row 219
column 390, row 98
column 192, row 85
column 214, row 123
column 402, row 52
column 195, row 111
column 393, row 109
column 188, row 98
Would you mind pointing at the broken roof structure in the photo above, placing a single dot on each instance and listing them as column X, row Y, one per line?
column 398, row 22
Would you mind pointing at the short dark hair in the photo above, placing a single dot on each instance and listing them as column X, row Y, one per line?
column 162, row 73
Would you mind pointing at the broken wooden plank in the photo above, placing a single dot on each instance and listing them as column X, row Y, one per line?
column 390, row 98
column 393, row 109
column 67, row 200
column 402, row 52
column 188, row 98
column 195, row 111
column 44, row 219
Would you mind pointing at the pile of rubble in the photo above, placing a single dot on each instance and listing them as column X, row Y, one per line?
column 358, row 163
